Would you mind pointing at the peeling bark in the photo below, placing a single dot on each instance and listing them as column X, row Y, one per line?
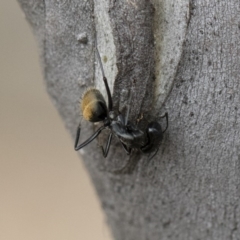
column 190, row 190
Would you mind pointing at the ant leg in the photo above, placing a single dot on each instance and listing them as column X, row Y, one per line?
column 105, row 152
column 149, row 158
column 128, row 151
column 166, row 116
column 76, row 147
column 129, row 167
column 110, row 103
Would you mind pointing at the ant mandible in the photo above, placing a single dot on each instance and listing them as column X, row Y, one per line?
column 94, row 109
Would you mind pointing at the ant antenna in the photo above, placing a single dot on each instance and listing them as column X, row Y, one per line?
column 104, row 79
column 128, row 107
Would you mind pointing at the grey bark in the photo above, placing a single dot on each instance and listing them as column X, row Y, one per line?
column 190, row 190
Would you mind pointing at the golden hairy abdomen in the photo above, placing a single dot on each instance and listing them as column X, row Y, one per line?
column 93, row 105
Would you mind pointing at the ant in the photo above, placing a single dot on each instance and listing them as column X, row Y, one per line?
column 94, row 109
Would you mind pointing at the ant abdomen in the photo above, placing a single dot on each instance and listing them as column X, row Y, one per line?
column 93, row 106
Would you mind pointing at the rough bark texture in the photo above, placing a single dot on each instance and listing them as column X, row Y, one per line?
column 190, row 190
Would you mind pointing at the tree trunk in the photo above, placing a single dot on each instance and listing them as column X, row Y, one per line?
column 178, row 57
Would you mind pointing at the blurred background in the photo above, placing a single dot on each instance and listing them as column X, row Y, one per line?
column 45, row 190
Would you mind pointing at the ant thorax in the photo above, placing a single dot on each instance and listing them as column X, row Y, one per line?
column 127, row 132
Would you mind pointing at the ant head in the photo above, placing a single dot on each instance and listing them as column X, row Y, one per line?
column 93, row 106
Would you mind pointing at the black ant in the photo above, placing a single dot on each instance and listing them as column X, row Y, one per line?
column 94, row 109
